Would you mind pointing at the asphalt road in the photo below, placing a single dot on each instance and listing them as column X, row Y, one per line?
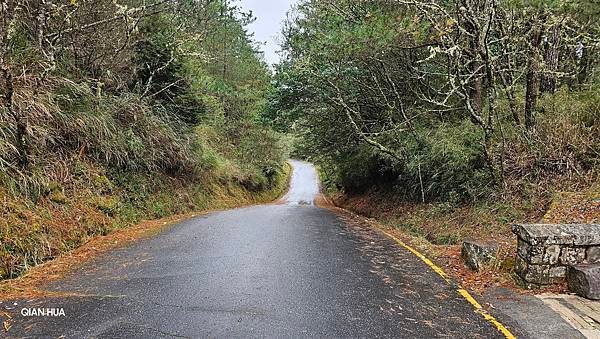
column 278, row 270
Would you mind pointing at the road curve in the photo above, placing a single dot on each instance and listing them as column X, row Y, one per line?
column 277, row 270
column 304, row 184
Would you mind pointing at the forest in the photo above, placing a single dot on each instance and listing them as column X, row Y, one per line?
column 117, row 111
column 447, row 119
column 446, row 99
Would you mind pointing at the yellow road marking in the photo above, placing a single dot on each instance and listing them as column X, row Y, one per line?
column 464, row 293
column 426, row 260
column 485, row 314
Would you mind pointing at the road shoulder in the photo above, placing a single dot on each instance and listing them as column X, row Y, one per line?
column 510, row 330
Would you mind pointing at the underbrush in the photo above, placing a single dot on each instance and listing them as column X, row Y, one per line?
column 97, row 203
column 443, row 223
column 89, row 163
column 549, row 175
column 66, row 121
column 438, row 229
column 452, row 162
column 95, row 136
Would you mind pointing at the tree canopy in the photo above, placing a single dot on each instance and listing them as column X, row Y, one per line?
column 441, row 99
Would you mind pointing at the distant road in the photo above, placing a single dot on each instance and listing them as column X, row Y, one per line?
column 277, row 270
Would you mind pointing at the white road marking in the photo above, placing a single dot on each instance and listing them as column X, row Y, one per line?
column 582, row 314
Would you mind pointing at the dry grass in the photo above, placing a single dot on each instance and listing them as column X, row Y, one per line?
column 88, row 164
column 72, row 214
column 575, row 207
column 29, row 285
column 438, row 229
column 221, row 197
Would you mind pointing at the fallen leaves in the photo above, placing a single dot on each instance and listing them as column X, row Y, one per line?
column 7, row 323
column 31, row 284
column 424, row 225
column 575, row 207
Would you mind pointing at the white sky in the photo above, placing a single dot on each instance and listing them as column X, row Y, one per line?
column 267, row 27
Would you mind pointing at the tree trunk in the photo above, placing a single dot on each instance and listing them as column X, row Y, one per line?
column 472, row 54
column 476, row 96
column 507, row 75
column 583, row 64
column 533, row 78
column 8, row 17
column 548, row 83
column 507, row 83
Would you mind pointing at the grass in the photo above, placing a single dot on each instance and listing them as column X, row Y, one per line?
column 91, row 164
column 439, row 228
column 98, row 203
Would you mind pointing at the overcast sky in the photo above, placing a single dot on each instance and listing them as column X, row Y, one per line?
column 267, row 27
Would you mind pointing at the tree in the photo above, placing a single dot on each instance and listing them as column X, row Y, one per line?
column 394, row 83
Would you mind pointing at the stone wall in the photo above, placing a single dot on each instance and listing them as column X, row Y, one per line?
column 545, row 251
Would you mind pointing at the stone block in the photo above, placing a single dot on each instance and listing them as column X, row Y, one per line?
column 520, row 265
column 476, row 253
column 530, row 273
column 532, row 254
column 551, row 255
column 557, row 273
column 593, row 254
column 536, row 255
column 559, row 234
column 522, row 248
column 584, row 280
column 572, row 256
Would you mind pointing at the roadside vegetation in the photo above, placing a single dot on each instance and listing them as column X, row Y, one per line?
column 447, row 119
column 116, row 111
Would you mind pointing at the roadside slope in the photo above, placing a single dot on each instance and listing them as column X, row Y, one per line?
column 178, row 202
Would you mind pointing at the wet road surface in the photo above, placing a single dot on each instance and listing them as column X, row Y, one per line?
column 279, row 270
